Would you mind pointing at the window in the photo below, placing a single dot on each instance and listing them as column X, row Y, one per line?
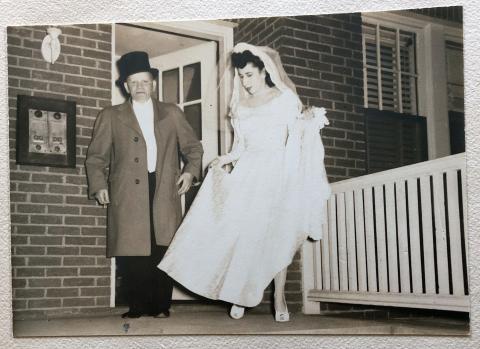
column 390, row 73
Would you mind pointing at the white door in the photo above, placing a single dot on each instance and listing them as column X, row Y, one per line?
column 188, row 78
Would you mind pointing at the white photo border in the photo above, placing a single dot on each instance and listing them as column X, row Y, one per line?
column 30, row 12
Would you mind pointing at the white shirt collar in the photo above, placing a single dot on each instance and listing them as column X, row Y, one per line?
column 146, row 105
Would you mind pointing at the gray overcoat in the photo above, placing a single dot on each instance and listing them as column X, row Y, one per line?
column 117, row 160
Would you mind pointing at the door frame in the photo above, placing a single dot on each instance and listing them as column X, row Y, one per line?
column 216, row 30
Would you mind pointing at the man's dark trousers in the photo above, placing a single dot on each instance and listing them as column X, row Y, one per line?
column 148, row 289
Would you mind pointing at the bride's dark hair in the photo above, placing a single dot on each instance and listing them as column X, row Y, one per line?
column 241, row 59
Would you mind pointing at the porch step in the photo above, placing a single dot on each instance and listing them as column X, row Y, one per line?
column 194, row 307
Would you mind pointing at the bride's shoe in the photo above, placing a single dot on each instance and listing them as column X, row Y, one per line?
column 282, row 316
column 236, row 312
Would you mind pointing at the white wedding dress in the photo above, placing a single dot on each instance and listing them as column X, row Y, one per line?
column 245, row 226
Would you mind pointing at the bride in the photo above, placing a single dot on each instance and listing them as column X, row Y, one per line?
column 245, row 226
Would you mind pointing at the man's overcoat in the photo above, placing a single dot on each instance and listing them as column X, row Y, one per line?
column 117, row 160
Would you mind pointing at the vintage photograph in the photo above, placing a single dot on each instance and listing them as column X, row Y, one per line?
column 275, row 175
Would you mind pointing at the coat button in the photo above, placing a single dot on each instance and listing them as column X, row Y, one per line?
column 136, row 159
column 135, row 139
column 137, row 181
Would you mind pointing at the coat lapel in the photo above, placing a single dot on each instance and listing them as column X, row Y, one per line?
column 128, row 118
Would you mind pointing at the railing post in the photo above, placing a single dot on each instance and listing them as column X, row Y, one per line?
column 308, row 278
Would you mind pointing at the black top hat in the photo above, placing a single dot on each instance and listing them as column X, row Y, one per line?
column 132, row 63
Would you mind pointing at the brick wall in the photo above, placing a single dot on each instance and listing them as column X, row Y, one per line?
column 58, row 236
column 323, row 57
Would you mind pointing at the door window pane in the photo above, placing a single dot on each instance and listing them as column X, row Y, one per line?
column 192, row 82
column 171, row 86
column 193, row 114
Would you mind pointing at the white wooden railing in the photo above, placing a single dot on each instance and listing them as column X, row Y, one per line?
column 393, row 238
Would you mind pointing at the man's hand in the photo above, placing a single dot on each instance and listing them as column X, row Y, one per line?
column 102, row 197
column 185, row 180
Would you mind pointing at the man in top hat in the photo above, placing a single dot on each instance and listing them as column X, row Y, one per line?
column 133, row 167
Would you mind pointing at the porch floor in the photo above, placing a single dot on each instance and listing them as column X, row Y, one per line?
column 185, row 322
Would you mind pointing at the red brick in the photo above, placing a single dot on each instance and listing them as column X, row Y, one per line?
column 93, row 211
column 96, row 73
column 46, row 240
column 44, row 282
column 104, row 46
column 73, row 220
column 103, row 281
column 13, row 83
column 81, row 61
column 71, row 50
column 99, row 271
column 33, row 85
column 83, row 101
column 19, row 240
column 79, row 282
column 44, row 219
column 47, row 95
column 106, row 56
column 20, row 72
column 78, row 180
column 29, row 250
column 44, row 303
column 96, row 35
column 102, row 301
column 41, row 75
column 35, row 44
column 19, row 261
column 66, row 89
column 333, row 96
column 63, row 189
column 44, row 261
column 79, row 80
column 65, row 68
column 63, row 251
column 79, row 200
column 107, row 28
column 30, row 229
column 70, row 171
column 97, row 93
column 19, row 176
column 93, row 251
column 19, row 283
column 12, row 61
column 63, row 230
column 78, row 261
column 48, row 199
column 31, row 208
column 63, row 210
column 62, row 292
column 95, row 291
column 19, row 51
column 80, row 241
column 78, row 302
column 12, row 40
column 74, row 41
column 29, row 293
column 29, row 271
column 105, row 84
column 62, row 271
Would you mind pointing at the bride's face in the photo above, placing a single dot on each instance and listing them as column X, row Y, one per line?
column 252, row 78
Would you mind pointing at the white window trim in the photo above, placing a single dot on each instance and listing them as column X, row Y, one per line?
column 431, row 68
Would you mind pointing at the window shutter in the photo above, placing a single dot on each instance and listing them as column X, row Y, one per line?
column 394, row 139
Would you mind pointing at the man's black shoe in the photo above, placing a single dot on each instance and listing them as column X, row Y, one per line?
column 131, row 315
column 162, row 314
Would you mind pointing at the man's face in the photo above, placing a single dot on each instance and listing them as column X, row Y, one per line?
column 140, row 86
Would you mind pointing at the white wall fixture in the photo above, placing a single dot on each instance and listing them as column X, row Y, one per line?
column 51, row 45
